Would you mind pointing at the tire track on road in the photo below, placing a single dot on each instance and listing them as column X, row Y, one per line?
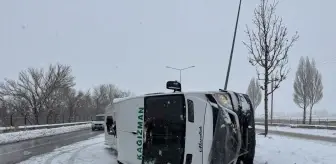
column 49, row 161
column 75, row 154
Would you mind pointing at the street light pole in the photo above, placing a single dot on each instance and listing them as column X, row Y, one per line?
column 180, row 69
column 232, row 48
column 181, row 76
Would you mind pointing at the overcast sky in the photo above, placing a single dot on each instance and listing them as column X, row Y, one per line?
column 129, row 43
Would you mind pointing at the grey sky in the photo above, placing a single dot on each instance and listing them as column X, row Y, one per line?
column 129, row 43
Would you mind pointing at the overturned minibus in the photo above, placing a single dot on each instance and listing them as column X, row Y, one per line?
column 215, row 127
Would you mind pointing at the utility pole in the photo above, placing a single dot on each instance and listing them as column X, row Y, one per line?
column 232, row 48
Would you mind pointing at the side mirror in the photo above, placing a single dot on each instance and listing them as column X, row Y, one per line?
column 174, row 85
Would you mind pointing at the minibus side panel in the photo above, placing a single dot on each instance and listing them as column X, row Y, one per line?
column 129, row 121
column 195, row 130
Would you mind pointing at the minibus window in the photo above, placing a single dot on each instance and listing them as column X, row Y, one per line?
column 214, row 118
column 223, row 144
column 214, row 112
column 109, row 125
column 190, row 111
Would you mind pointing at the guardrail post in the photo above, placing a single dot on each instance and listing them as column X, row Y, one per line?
column 327, row 123
column 11, row 120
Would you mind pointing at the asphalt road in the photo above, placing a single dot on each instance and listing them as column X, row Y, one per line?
column 17, row 152
column 298, row 135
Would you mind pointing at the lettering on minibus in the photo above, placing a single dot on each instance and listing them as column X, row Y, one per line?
column 140, row 133
column 200, row 144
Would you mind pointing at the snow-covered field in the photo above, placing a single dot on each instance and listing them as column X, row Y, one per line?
column 317, row 132
column 269, row 150
column 276, row 149
column 30, row 134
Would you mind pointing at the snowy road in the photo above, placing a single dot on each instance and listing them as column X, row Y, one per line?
column 269, row 150
column 92, row 151
column 16, row 152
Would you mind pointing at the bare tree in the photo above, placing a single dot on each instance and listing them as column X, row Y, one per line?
column 315, row 88
column 268, row 47
column 308, row 88
column 301, row 86
column 100, row 98
column 17, row 105
column 35, row 86
column 115, row 92
column 85, row 105
column 54, row 105
column 104, row 94
column 254, row 92
column 72, row 98
column 49, row 94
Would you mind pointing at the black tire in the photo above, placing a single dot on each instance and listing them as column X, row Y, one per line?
column 249, row 127
column 93, row 129
column 249, row 157
column 119, row 162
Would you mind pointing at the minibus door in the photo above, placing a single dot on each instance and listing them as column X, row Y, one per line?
column 196, row 112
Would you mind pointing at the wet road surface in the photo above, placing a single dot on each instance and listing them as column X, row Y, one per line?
column 16, row 152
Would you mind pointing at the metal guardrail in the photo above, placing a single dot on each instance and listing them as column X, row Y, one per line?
column 315, row 121
column 33, row 127
column 303, row 126
column 300, row 135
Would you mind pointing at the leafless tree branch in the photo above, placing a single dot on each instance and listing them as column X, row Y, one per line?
column 268, row 48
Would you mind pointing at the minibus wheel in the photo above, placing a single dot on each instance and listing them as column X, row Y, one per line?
column 249, row 157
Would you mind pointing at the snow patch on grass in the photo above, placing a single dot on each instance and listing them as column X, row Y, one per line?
column 275, row 149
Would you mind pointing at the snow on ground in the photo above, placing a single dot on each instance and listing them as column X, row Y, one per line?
column 90, row 151
column 30, row 134
column 318, row 132
column 275, row 149
column 45, row 125
column 269, row 150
